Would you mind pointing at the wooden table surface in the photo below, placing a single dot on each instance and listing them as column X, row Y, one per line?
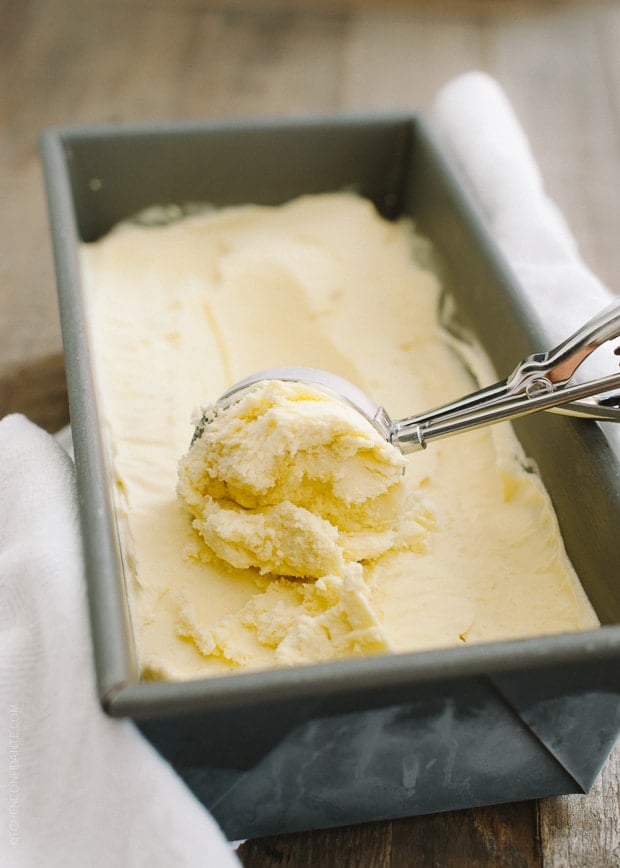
column 82, row 61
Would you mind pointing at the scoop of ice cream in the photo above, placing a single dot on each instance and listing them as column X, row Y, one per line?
column 294, row 622
column 293, row 481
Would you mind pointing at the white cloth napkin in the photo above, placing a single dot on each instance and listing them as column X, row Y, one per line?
column 82, row 789
column 479, row 130
column 483, row 139
column 79, row 789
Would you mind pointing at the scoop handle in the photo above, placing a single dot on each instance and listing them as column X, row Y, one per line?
column 558, row 365
column 539, row 382
column 410, row 434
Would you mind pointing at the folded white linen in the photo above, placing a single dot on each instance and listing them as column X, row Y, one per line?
column 481, row 135
column 479, row 130
column 79, row 789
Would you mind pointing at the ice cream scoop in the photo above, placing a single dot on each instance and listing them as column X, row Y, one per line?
column 540, row 382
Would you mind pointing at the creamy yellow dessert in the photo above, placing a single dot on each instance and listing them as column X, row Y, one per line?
column 288, row 532
column 293, row 482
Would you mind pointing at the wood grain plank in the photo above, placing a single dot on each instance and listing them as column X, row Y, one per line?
column 398, row 58
column 584, row 830
column 498, row 835
column 555, row 77
column 363, row 846
column 39, row 391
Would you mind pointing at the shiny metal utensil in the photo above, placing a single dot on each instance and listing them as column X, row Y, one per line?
column 539, row 382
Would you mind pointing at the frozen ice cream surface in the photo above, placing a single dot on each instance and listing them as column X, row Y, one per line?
column 295, row 536
column 294, row 482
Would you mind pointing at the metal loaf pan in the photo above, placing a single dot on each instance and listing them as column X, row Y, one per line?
column 362, row 739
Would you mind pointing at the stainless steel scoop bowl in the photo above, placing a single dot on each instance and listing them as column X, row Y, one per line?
column 539, row 382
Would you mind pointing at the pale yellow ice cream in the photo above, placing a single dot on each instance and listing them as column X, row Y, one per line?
column 294, row 482
column 279, row 552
